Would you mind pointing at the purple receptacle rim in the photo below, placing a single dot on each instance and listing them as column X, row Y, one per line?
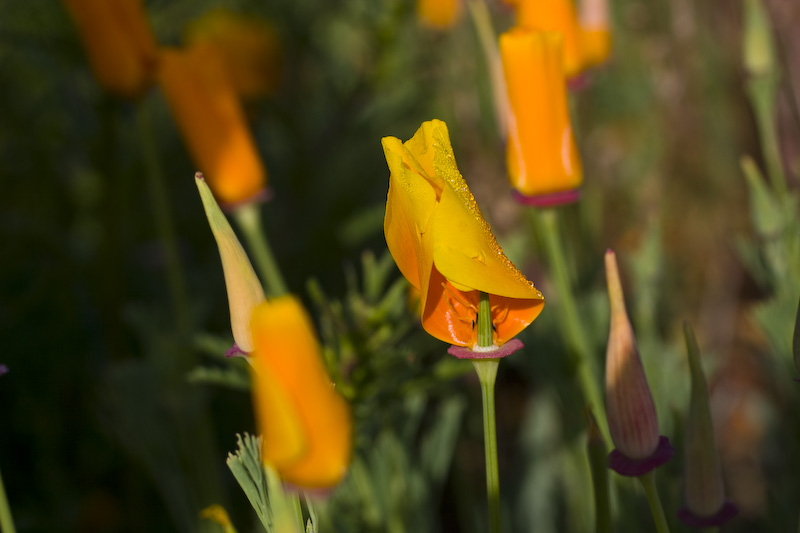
column 548, row 200
column 235, row 351
column 579, row 81
column 462, row 352
column 721, row 517
column 3, row 370
column 625, row 466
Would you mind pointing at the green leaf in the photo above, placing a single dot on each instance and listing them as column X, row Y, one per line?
column 231, row 377
column 245, row 464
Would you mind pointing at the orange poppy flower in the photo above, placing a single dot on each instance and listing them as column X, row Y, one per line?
column 445, row 248
column 306, row 426
column 543, row 162
column 248, row 46
column 557, row 16
column 212, row 121
column 119, row 43
column 439, row 14
column 595, row 36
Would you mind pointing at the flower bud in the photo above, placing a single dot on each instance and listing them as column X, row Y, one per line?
column 438, row 14
column 595, row 37
column 705, row 495
column 632, row 419
column 759, row 45
column 212, row 121
column 118, row 42
column 542, row 158
column 244, row 289
column 306, row 425
column 556, row 16
column 248, row 46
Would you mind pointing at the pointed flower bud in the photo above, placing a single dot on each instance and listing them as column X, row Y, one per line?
column 542, row 158
column 705, row 495
column 556, row 16
column 244, row 289
column 445, row 248
column 632, row 419
column 212, row 121
column 248, row 46
column 306, row 425
column 438, row 14
column 118, row 42
column 759, row 42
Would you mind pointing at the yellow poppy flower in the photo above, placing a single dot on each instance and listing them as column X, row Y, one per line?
column 119, row 43
column 555, row 16
column 249, row 47
column 438, row 14
column 445, row 248
column 212, row 121
column 306, row 426
column 543, row 162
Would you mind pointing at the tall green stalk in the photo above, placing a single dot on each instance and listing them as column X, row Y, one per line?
column 487, row 375
column 648, row 481
column 249, row 219
column 6, row 521
column 546, row 224
column 163, row 219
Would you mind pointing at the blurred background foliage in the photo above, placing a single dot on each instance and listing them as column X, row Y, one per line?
column 102, row 430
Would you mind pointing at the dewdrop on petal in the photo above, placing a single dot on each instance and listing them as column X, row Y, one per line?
column 632, row 419
column 244, row 289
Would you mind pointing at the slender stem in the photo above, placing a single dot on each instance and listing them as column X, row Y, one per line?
column 648, row 481
column 249, row 219
column 163, row 219
column 491, row 53
column 546, row 224
column 487, row 373
column 6, row 521
column 485, row 337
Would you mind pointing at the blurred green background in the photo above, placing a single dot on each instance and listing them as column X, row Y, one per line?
column 99, row 428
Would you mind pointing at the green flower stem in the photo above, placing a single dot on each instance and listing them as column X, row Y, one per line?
column 487, row 37
column 248, row 217
column 648, row 481
column 487, row 374
column 546, row 224
column 6, row 521
column 163, row 219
